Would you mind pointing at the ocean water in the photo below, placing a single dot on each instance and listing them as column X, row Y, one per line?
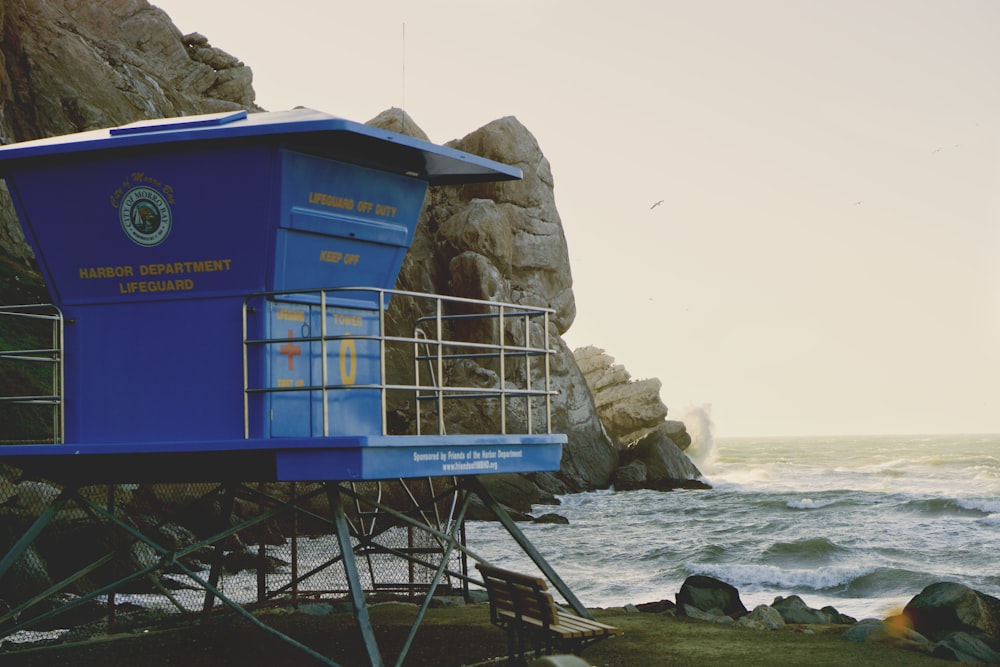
column 860, row 523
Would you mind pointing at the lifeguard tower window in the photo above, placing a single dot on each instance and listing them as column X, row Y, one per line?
column 224, row 294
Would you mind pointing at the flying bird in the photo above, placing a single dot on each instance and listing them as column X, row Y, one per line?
column 655, row 205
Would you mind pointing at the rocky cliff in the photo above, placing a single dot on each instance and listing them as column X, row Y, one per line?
column 70, row 65
column 651, row 446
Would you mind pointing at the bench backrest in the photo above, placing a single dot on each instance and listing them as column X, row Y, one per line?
column 518, row 594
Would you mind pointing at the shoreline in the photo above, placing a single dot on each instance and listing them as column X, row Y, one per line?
column 859, row 608
column 462, row 637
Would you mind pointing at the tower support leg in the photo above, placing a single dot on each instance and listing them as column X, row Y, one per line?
column 228, row 499
column 356, row 591
column 475, row 486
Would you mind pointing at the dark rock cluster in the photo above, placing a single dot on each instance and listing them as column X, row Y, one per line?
column 946, row 620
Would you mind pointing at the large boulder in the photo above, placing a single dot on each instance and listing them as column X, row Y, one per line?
column 708, row 594
column 762, row 618
column 655, row 462
column 947, row 607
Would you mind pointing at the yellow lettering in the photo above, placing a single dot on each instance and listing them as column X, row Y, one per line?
column 292, row 315
column 348, row 361
column 331, row 256
column 146, row 286
column 90, row 272
column 348, row 320
column 171, row 269
column 176, row 268
column 331, row 201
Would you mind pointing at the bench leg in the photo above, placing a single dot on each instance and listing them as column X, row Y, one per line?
column 522, row 653
column 516, row 648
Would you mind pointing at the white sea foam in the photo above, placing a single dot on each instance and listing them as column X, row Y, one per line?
column 755, row 577
column 988, row 505
column 698, row 422
column 576, row 500
column 809, row 504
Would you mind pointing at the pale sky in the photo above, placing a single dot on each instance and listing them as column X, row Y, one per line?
column 826, row 259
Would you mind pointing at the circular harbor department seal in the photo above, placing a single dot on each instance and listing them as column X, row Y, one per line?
column 145, row 216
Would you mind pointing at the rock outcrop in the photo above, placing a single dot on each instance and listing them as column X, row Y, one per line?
column 655, row 462
column 628, row 408
column 634, row 416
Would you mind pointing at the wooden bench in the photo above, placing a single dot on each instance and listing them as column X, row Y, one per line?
column 521, row 605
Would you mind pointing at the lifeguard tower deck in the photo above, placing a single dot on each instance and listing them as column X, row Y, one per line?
column 223, row 311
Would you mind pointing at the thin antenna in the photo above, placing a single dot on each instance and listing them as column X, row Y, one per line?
column 402, row 102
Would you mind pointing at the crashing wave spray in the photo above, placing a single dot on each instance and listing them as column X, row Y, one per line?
column 698, row 422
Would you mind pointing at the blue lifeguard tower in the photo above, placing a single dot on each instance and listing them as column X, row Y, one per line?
column 223, row 311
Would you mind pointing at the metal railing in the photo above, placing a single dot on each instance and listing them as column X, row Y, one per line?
column 35, row 371
column 504, row 346
column 431, row 332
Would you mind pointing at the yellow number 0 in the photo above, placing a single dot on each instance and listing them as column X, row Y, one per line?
column 348, row 349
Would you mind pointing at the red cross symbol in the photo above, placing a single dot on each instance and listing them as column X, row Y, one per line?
column 291, row 349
